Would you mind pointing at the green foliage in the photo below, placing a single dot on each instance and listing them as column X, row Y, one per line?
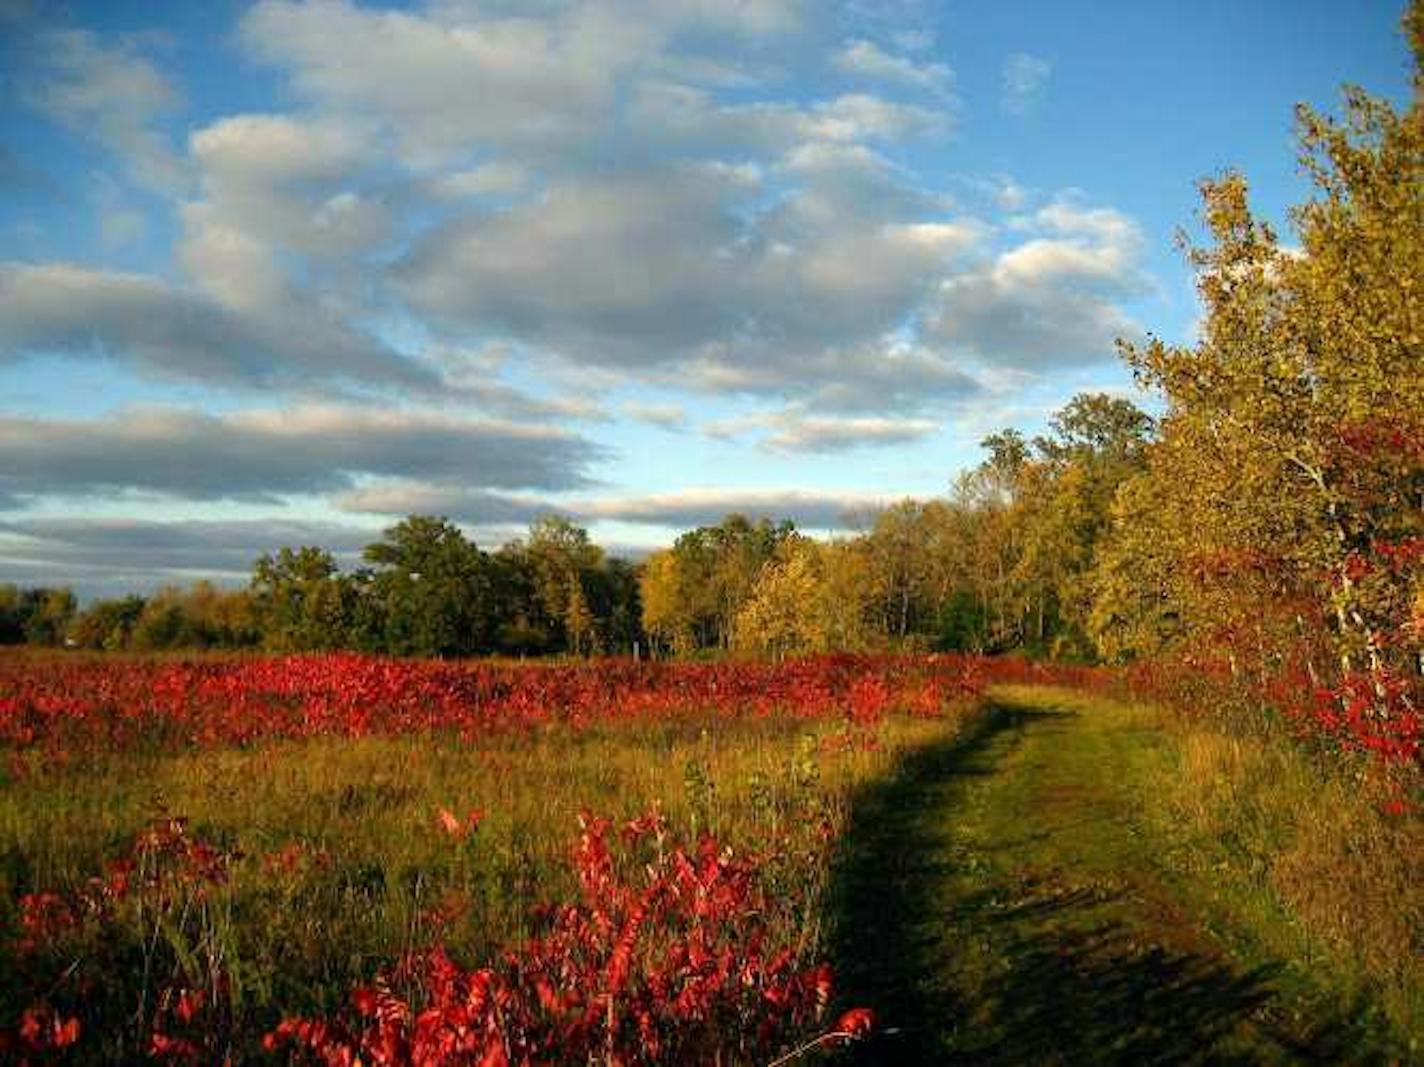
column 434, row 589
column 108, row 624
column 300, row 600
column 1015, row 548
column 565, row 593
column 430, row 591
column 961, row 624
column 38, row 616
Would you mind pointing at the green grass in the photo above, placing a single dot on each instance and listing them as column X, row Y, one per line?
column 1036, row 892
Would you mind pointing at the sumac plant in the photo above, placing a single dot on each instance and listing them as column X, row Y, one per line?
column 65, row 708
column 667, row 953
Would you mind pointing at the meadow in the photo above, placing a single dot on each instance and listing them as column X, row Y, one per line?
column 339, row 859
column 229, row 857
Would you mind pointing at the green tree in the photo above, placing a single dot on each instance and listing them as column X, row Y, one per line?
column 300, row 599
column 562, row 562
column 434, row 588
column 617, row 608
column 12, row 623
column 1065, row 505
column 107, row 624
column 717, row 566
column 45, row 614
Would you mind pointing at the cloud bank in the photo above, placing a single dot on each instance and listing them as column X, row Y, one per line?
column 462, row 246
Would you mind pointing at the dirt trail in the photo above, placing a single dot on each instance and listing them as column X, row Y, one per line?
column 999, row 904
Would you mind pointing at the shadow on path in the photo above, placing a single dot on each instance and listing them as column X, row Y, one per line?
column 968, row 959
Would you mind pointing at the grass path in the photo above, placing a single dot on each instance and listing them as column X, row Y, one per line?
column 999, row 903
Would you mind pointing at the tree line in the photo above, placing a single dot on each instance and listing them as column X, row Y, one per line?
column 425, row 589
column 1270, row 514
column 933, row 574
column 997, row 565
column 1001, row 563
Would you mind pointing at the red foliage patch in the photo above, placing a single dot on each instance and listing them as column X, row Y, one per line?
column 66, row 708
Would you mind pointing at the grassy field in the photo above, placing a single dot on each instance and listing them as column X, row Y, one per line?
column 1083, row 880
column 371, row 806
column 345, row 862
column 1041, row 875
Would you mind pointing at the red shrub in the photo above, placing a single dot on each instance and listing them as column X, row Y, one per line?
column 664, row 957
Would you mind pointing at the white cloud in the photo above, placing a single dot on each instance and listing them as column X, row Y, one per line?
column 670, row 263
column 867, row 59
column 756, row 17
column 110, row 557
column 445, row 85
column 615, row 269
column 274, row 182
column 816, row 509
column 600, row 196
column 479, row 507
column 809, row 508
column 1054, row 299
column 663, row 416
column 489, row 179
column 541, row 78
column 676, row 117
column 113, row 95
column 824, row 434
column 1105, row 226
column 1024, row 78
column 649, row 272
column 794, row 430
column 888, row 376
column 863, row 117
column 261, row 149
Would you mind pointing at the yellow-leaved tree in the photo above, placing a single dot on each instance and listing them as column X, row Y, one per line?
column 1280, row 520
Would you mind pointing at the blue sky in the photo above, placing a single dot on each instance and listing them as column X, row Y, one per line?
column 284, row 272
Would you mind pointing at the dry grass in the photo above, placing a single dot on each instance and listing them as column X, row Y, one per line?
column 1307, row 851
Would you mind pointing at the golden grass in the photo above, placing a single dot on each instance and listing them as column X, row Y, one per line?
column 1307, row 851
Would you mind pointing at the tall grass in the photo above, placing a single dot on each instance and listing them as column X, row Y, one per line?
column 1308, row 855
column 345, row 863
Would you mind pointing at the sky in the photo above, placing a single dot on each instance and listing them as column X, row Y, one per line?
column 283, row 272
